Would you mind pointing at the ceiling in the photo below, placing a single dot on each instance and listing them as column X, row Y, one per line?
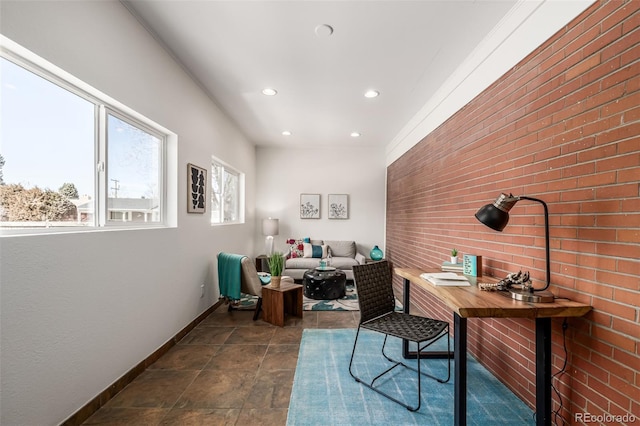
column 404, row 49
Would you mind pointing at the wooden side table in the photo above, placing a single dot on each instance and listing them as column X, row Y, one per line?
column 278, row 301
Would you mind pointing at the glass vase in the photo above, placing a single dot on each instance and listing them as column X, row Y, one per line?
column 376, row 253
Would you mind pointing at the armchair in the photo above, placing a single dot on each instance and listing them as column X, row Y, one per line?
column 249, row 281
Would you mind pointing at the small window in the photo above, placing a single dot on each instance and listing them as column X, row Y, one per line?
column 226, row 194
column 133, row 172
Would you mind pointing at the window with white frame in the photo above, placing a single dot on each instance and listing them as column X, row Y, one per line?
column 226, row 193
column 71, row 159
column 133, row 172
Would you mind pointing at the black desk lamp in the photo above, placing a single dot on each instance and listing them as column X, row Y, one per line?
column 496, row 217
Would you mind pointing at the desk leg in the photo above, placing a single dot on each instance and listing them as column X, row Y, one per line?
column 460, row 370
column 406, row 353
column 405, row 306
column 543, row 371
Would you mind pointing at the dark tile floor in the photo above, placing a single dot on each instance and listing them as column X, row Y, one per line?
column 229, row 370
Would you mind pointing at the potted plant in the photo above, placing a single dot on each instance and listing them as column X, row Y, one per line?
column 276, row 266
column 454, row 256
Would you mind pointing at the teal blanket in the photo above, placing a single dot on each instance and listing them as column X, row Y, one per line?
column 230, row 275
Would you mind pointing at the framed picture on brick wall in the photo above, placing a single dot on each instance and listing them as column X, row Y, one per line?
column 196, row 189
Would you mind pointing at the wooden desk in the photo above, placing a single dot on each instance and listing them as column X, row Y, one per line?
column 471, row 302
column 278, row 301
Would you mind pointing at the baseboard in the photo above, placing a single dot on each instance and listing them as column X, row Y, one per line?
column 103, row 397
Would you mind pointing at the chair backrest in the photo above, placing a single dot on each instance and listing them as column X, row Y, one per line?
column 250, row 281
column 375, row 289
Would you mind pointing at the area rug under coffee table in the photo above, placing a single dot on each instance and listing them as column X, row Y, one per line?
column 347, row 303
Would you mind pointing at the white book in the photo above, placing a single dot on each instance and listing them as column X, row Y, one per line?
column 445, row 279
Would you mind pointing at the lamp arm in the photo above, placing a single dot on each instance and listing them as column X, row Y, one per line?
column 546, row 237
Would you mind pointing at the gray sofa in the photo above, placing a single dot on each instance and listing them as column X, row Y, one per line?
column 342, row 254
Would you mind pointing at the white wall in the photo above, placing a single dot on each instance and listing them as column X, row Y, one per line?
column 78, row 310
column 284, row 173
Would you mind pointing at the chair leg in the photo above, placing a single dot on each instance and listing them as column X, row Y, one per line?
column 370, row 386
column 258, row 308
column 396, row 364
column 420, row 349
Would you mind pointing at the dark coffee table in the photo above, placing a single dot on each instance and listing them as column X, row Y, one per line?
column 324, row 283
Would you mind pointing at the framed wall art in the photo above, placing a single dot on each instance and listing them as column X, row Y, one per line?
column 338, row 206
column 196, row 189
column 309, row 206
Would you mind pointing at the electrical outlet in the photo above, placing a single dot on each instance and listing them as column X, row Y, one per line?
column 202, row 291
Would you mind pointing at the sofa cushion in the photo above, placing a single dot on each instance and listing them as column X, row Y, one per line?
column 296, row 246
column 342, row 248
column 344, row 263
column 302, row 263
column 316, row 251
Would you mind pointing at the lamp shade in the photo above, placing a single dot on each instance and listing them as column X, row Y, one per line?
column 270, row 227
column 496, row 215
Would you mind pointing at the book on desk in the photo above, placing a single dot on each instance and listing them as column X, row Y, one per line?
column 445, row 279
column 451, row 267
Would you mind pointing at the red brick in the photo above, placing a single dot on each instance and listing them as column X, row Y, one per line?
column 629, row 175
column 615, row 339
column 619, row 162
column 582, row 67
column 599, row 179
column 629, row 235
column 614, row 220
column 617, row 191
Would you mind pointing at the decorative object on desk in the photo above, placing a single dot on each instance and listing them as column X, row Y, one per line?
column 276, row 265
column 338, row 206
column 472, row 265
column 446, row 279
column 196, row 189
column 270, row 227
column 454, row 256
column 496, row 217
column 451, row 267
column 309, row 206
column 375, row 253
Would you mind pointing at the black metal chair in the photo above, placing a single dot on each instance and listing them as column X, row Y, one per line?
column 377, row 313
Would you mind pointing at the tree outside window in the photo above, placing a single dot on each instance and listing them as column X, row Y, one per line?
column 226, row 194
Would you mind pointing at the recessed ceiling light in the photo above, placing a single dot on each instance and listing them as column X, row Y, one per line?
column 355, row 134
column 269, row 91
column 286, row 133
column 371, row 94
column 324, row 30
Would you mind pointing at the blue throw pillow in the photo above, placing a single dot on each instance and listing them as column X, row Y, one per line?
column 318, row 252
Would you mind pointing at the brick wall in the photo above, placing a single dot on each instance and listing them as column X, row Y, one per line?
column 564, row 126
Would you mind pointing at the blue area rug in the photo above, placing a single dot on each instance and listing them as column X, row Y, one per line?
column 347, row 303
column 324, row 393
